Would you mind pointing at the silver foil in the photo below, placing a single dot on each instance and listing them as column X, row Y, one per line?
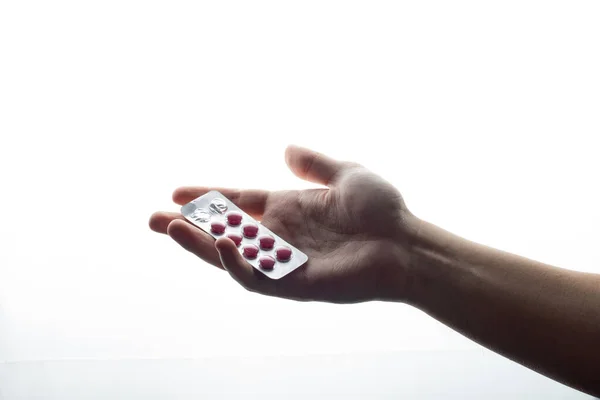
column 214, row 206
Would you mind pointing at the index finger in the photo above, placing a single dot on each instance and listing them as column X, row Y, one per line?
column 252, row 201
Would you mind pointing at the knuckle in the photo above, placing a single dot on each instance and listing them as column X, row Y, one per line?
column 245, row 285
column 352, row 165
column 249, row 286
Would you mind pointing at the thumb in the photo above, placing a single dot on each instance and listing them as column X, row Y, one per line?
column 312, row 166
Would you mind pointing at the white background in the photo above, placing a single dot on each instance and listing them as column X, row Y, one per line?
column 484, row 114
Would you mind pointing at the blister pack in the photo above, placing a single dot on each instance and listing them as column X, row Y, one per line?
column 260, row 247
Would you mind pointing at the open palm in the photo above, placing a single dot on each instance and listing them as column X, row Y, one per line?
column 355, row 232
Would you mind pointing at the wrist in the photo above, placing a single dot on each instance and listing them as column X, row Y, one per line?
column 425, row 258
column 399, row 270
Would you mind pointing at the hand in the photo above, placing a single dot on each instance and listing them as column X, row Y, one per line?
column 356, row 233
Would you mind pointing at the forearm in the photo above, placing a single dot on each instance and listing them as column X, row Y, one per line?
column 543, row 317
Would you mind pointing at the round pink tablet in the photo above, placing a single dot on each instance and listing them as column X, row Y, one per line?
column 250, row 251
column 234, row 218
column 217, row 227
column 266, row 242
column 283, row 253
column 250, row 230
column 236, row 237
column 266, row 262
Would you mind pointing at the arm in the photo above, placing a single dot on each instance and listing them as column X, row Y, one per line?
column 543, row 317
column 364, row 244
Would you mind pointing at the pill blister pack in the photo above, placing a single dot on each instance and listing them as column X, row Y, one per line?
column 259, row 246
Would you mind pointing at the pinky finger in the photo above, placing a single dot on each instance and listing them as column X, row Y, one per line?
column 240, row 270
column 194, row 240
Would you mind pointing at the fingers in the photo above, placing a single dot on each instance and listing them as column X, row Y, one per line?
column 195, row 241
column 251, row 201
column 314, row 167
column 294, row 286
column 225, row 255
column 159, row 221
column 241, row 271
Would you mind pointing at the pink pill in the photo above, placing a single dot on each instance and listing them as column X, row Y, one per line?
column 217, row 227
column 234, row 218
column 283, row 253
column 237, row 238
column 250, row 251
column 250, row 230
column 266, row 262
column 266, row 242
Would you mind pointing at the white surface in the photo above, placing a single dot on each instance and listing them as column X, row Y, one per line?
column 483, row 114
column 414, row 375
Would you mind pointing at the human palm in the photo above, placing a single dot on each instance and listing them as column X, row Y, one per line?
column 354, row 232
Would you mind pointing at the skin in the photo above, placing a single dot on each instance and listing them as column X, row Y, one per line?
column 364, row 244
